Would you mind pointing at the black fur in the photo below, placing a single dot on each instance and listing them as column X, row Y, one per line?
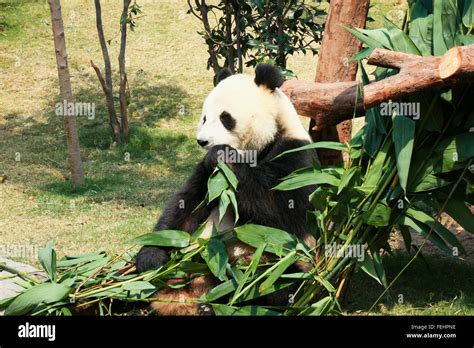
column 227, row 120
column 151, row 258
column 222, row 75
column 268, row 75
column 257, row 203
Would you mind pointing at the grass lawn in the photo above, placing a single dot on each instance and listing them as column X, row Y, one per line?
column 166, row 65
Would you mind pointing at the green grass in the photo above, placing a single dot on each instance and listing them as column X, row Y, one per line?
column 123, row 198
column 431, row 287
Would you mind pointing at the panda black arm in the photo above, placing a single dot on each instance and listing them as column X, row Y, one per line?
column 178, row 215
column 256, row 198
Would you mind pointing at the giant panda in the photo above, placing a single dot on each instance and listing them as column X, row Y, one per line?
column 242, row 113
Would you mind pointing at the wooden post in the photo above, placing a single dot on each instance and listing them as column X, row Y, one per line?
column 337, row 47
column 73, row 149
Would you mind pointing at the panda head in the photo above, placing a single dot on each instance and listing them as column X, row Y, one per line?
column 248, row 112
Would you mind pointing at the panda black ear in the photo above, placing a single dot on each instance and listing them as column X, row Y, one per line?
column 268, row 75
column 222, row 75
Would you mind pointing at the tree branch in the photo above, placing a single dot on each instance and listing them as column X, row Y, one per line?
column 114, row 124
column 416, row 73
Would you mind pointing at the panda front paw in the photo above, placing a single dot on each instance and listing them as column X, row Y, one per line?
column 219, row 153
column 150, row 257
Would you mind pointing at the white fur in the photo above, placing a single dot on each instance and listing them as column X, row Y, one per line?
column 257, row 110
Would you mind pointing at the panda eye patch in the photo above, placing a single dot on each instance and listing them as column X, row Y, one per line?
column 227, row 120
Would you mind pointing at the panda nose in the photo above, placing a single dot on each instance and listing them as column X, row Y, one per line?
column 202, row 143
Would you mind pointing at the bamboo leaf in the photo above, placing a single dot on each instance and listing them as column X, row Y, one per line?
column 332, row 145
column 244, row 311
column 233, row 201
column 461, row 213
column 442, row 231
column 167, row 238
column 254, row 292
column 283, row 265
column 421, row 28
column 424, row 230
column 47, row 258
column 429, row 183
column 216, row 258
column 322, row 307
column 379, row 268
column 138, row 285
column 220, row 290
column 230, row 176
column 307, row 179
column 368, row 265
column 216, row 184
column 369, row 41
column 76, row 260
column 256, row 235
column 249, row 273
column 378, row 216
column 346, row 178
column 405, row 232
column 468, row 14
column 454, row 150
column 327, row 285
column 401, row 42
column 380, row 35
column 32, row 297
column 445, row 14
column 403, row 136
column 373, row 127
column 224, row 202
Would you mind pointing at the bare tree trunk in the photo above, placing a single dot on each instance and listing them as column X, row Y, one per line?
column 123, row 74
column 333, row 66
column 107, row 88
column 73, row 149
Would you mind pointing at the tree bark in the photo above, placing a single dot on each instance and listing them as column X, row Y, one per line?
column 333, row 66
column 73, row 148
column 122, row 71
column 108, row 91
column 416, row 73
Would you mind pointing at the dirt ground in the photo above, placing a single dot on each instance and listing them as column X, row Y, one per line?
column 466, row 239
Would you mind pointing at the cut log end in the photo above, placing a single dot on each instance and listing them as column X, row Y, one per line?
column 450, row 63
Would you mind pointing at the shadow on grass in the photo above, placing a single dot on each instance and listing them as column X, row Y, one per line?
column 144, row 171
column 11, row 13
column 423, row 286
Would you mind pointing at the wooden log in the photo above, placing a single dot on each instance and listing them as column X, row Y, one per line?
column 416, row 73
column 457, row 61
